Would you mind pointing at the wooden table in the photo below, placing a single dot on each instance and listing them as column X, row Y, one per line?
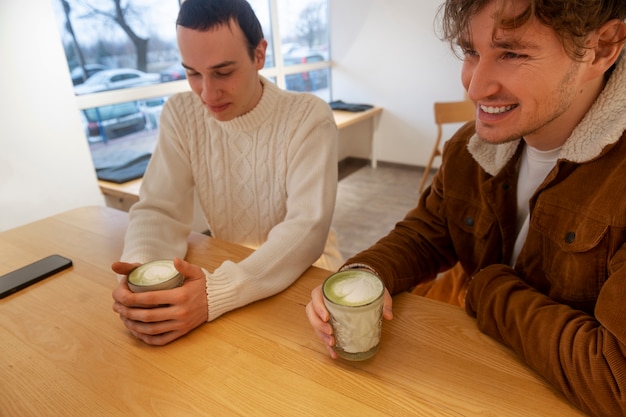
column 344, row 118
column 123, row 196
column 65, row 353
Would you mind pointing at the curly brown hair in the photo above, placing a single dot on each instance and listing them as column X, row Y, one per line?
column 572, row 20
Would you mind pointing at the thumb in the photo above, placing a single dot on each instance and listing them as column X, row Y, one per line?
column 188, row 270
column 123, row 268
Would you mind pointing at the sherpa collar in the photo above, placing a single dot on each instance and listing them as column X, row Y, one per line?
column 604, row 124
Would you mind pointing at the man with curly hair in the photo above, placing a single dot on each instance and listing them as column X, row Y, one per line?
column 524, row 224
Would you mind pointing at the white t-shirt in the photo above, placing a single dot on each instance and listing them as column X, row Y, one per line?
column 534, row 167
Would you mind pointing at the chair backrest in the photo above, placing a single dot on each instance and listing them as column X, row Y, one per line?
column 454, row 111
column 451, row 112
column 447, row 112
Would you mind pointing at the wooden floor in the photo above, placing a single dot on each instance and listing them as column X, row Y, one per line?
column 371, row 201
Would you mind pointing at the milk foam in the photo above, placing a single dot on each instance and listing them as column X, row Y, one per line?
column 355, row 289
column 156, row 274
column 153, row 273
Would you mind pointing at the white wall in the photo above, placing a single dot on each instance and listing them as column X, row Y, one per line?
column 45, row 165
column 385, row 52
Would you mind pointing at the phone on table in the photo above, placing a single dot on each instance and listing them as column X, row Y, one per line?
column 32, row 273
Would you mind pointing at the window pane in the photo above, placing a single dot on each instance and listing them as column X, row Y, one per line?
column 130, row 120
column 144, row 40
column 305, row 40
column 304, row 26
column 122, row 137
column 307, row 81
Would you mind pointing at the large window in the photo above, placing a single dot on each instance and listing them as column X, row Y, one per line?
column 123, row 59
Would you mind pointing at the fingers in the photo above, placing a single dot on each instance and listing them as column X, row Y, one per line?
column 158, row 339
column 317, row 298
column 125, row 299
column 387, row 305
column 331, row 352
column 150, row 328
column 317, row 313
column 150, row 325
column 318, row 317
column 323, row 330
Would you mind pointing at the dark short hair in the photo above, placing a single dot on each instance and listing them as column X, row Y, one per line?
column 204, row 15
column 571, row 20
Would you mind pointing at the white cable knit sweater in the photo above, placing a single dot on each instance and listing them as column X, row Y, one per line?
column 266, row 180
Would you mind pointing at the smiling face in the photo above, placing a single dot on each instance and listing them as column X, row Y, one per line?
column 523, row 82
column 220, row 70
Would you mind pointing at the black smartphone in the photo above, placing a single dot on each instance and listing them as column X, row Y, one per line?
column 31, row 273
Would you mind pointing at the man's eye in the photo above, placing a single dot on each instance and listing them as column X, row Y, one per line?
column 513, row 55
column 467, row 52
column 223, row 74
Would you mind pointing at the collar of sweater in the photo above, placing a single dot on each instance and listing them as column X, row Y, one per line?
column 259, row 114
column 603, row 125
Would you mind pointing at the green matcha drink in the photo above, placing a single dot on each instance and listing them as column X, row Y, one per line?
column 354, row 299
column 156, row 275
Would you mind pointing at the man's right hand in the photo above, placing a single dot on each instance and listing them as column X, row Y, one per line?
column 319, row 317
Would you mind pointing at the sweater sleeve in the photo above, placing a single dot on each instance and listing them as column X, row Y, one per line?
column 160, row 222
column 582, row 355
column 299, row 239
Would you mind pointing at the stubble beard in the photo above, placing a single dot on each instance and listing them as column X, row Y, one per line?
column 560, row 101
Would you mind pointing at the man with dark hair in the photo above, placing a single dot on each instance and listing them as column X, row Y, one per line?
column 203, row 16
column 527, row 213
column 262, row 162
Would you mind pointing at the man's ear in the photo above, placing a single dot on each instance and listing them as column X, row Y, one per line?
column 259, row 54
column 607, row 44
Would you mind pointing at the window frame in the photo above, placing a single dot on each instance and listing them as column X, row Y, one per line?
column 279, row 72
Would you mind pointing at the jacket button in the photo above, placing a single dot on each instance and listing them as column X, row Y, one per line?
column 469, row 221
column 570, row 237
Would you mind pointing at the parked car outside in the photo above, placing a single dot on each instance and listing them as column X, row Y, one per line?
column 152, row 108
column 114, row 79
column 308, row 80
column 173, row 73
column 90, row 69
column 114, row 121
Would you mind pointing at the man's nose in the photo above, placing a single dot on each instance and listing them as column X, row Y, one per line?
column 210, row 91
column 481, row 80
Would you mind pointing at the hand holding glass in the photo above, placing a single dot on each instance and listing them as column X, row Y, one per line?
column 354, row 299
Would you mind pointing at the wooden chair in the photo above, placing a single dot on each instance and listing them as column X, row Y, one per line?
column 447, row 112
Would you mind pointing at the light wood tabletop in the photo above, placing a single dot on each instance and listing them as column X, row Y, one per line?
column 65, row 353
column 345, row 118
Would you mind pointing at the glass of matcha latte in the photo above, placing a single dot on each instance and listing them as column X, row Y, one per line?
column 154, row 276
column 354, row 299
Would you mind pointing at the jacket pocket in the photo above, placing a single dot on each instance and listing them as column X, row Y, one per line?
column 471, row 230
column 574, row 250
